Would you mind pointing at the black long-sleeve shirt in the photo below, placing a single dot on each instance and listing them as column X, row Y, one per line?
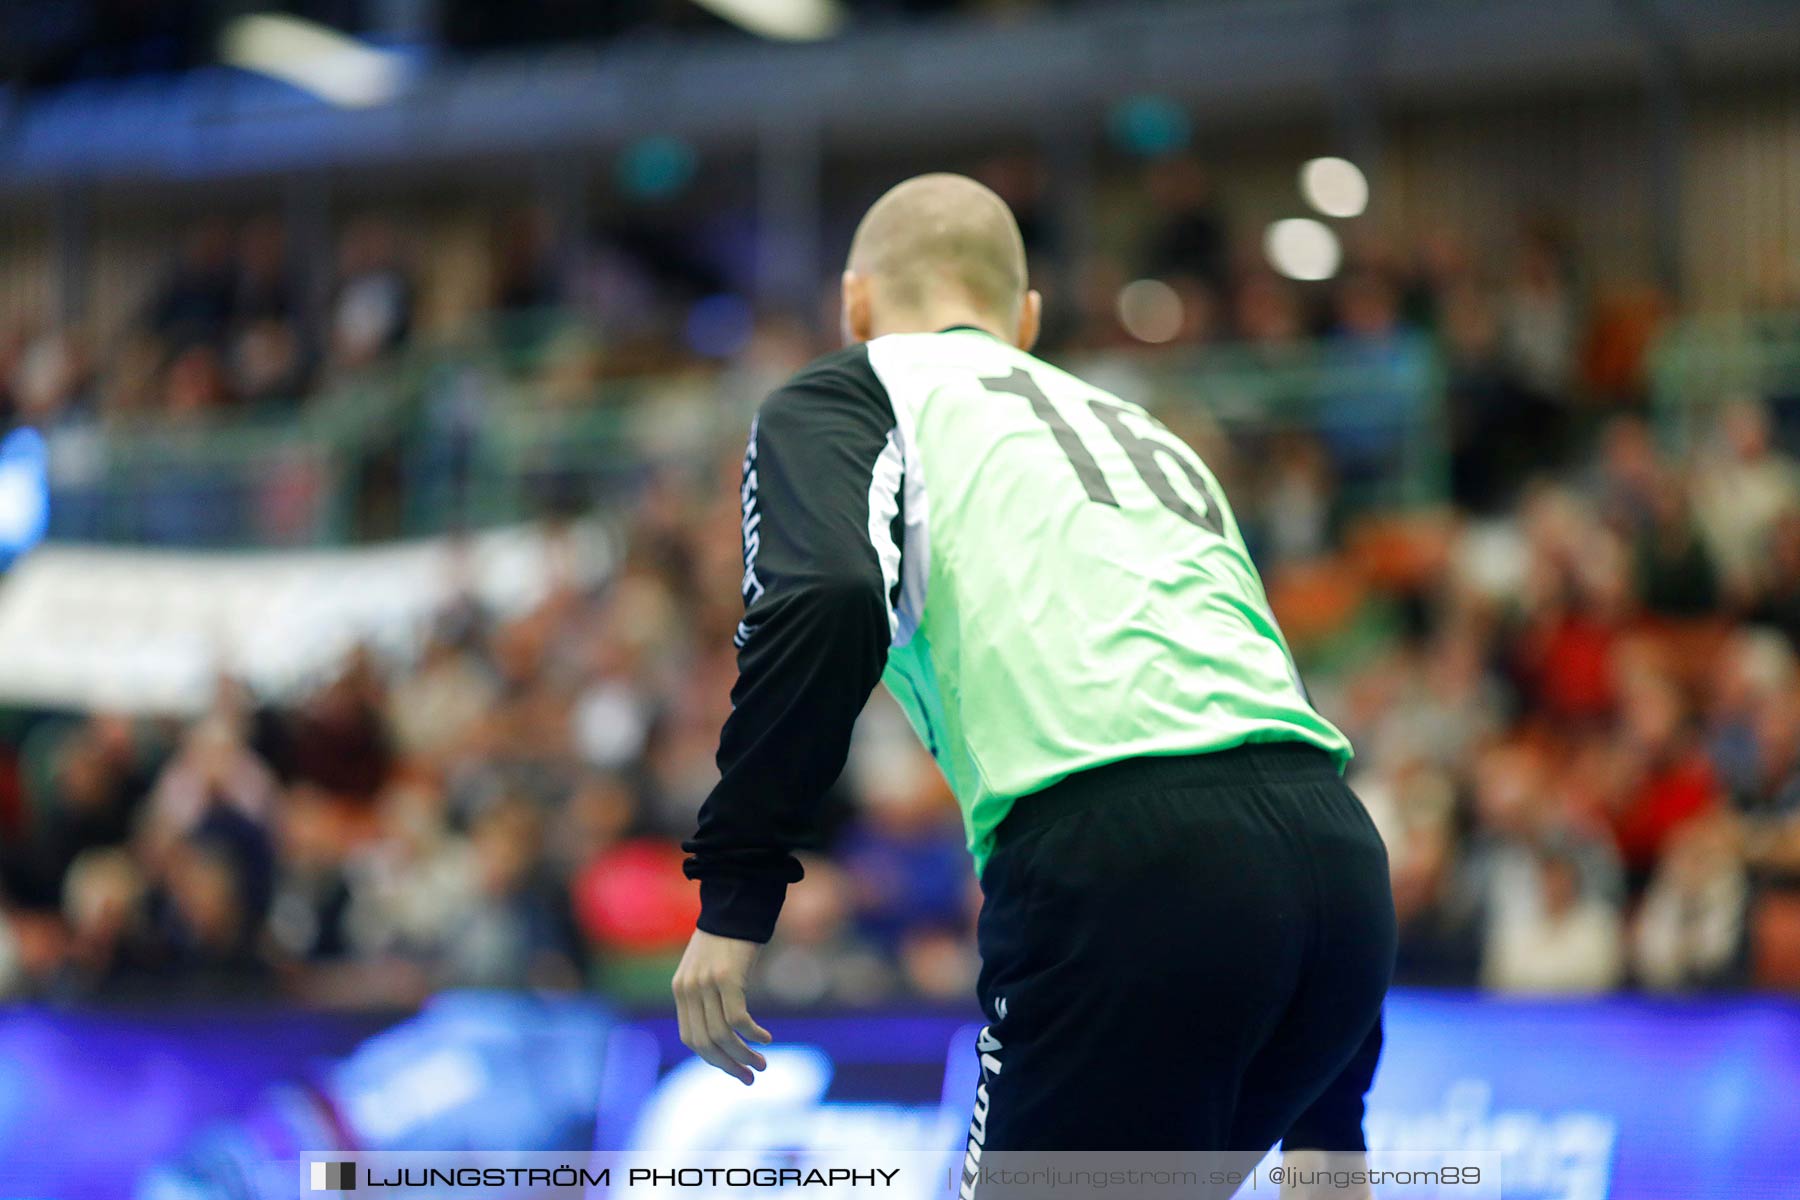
column 814, row 638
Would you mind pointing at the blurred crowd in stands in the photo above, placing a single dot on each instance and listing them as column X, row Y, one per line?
column 1574, row 689
column 245, row 320
column 223, row 333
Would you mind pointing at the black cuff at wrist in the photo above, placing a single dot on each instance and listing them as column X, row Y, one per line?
column 741, row 908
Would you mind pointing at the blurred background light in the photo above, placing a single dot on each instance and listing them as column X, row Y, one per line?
column 1335, row 187
column 656, row 168
column 784, row 20
column 1302, row 248
column 314, row 58
column 1150, row 125
column 1150, row 310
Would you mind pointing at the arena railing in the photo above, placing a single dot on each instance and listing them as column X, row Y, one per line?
column 508, row 421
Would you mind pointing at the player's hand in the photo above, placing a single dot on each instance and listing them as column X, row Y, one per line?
column 709, row 1000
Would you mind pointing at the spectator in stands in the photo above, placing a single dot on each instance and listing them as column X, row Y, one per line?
column 1372, row 354
column 1267, row 316
column 103, row 906
column 265, row 287
column 268, row 356
column 1676, row 576
column 940, row 964
column 1495, row 424
column 612, row 713
column 214, row 770
column 435, row 708
column 1670, row 781
column 1770, row 795
column 1578, row 594
column 195, row 385
column 372, row 308
column 526, row 278
column 601, row 810
column 1752, row 678
column 1444, row 705
column 815, row 957
column 1629, row 472
column 308, row 915
column 1438, row 911
column 1557, row 939
column 267, row 367
column 1778, row 605
column 51, row 383
column 905, row 849
column 1297, row 510
column 1743, row 488
column 94, row 797
column 1186, row 238
column 1441, row 273
column 1540, row 318
column 193, row 305
column 516, row 930
column 1691, row 930
column 338, row 737
column 210, row 898
column 411, row 884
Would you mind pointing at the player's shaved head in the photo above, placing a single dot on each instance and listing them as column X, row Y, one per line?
column 941, row 244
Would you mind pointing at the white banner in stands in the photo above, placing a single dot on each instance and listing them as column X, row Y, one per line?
column 149, row 631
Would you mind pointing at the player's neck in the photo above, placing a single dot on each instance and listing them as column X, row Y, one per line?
column 937, row 319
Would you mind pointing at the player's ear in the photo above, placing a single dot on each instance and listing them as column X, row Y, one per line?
column 858, row 311
column 1031, row 316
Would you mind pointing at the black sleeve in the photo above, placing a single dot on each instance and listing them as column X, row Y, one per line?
column 814, row 638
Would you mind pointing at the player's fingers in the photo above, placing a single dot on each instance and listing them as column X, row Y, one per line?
column 724, row 1038
column 680, row 1011
column 693, row 1034
column 696, row 1032
column 725, row 1063
column 737, row 1015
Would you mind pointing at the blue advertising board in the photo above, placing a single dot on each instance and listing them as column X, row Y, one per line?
column 24, row 492
column 1620, row 1099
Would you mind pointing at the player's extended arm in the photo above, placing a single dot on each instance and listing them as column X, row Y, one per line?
column 811, row 648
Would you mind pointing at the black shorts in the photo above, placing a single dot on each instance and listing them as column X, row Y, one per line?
column 1187, row 954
